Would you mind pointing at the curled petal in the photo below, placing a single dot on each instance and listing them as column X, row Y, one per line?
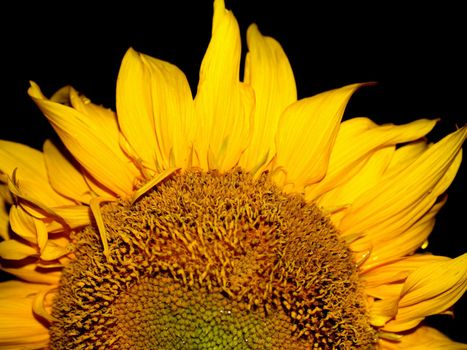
column 22, row 224
column 356, row 140
column 397, row 271
column 65, row 178
column 429, row 290
column 33, row 206
column 404, row 187
column 100, row 119
column 381, row 311
column 408, row 229
column 19, row 328
column 388, row 291
column 362, row 177
column 53, row 250
column 28, row 167
column 434, row 279
column 42, row 234
column 39, row 303
column 82, row 137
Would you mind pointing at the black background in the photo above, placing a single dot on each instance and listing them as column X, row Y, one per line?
column 415, row 54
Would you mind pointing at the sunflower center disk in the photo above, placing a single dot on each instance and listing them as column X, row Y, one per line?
column 212, row 261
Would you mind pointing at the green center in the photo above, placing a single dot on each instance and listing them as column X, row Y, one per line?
column 174, row 316
column 212, row 261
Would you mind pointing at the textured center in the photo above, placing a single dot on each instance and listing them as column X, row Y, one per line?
column 212, row 261
column 177, row 317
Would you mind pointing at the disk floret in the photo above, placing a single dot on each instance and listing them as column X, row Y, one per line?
column 246, row 264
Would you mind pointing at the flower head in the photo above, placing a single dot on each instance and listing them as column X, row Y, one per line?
column 240, row 218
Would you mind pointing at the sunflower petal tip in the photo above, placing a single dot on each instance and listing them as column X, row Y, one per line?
column 34, row 90
column 131, row 53
column 253, row 27
column 219, row 4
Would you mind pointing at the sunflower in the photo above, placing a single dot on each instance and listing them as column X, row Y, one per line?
column 242, row 218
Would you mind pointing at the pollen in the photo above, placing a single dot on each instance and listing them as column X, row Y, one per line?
column 209, row 260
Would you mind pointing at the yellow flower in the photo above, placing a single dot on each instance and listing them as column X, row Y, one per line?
column 240, row 218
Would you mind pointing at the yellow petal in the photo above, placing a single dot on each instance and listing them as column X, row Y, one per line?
column 365, row 175
column 35, row 231
column 41, row 305
column 401, row 189
column 356, row 140
column 19, row 289
column 135, row 109
column 97, row 188
column 306, row 134
column 74, row 216
column 429, row 290
column 381, row 311
column 407, row 154
column 433, row 279
column 450, row 174
column 53, row 250
column 22, row 224
column 16, row 155
column 31, row 229
column 42, row 234
column 362, row 177
column 102, row 120
column 268, row 71
column 82, row 137
column 224, row 105
column 406, row 230
column 64, row 177
column 422, row 338
column 409, row 228
column 405, row 243
column 389, row 291
column 173, row 112
column 29, row 167
column 397, row 271
column 30, row 273
column 5, row 202
column 40, row 294
column 19, row 329
column 5, row 194
column 34, row 207
column 15, row 250
column 4, row 220
column 394, row 227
